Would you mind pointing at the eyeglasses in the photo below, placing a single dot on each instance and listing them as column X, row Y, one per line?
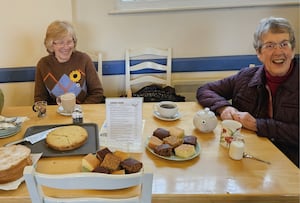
column 61, row 43
column 272, row 45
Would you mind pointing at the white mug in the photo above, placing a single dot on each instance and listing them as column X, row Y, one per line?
column 166, row 109
column 230, row 129
column 67, row 101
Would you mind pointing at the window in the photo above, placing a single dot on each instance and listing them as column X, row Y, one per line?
column 135, row 6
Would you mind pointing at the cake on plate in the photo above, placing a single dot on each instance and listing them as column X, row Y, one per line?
column 67, row 138
column 13, row 160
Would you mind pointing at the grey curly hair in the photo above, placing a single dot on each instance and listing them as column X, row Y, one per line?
column 273, row 25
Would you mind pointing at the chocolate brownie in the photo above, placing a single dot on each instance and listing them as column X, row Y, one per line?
column 163, row 150
column 190, row 139
column 101, row 169
column 131, row 165
column 101, row 153
column 161, row 133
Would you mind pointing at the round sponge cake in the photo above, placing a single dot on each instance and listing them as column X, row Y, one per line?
column 67, row 138
column 13, row 160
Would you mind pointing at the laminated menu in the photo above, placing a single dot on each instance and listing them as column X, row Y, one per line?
column 123, row 128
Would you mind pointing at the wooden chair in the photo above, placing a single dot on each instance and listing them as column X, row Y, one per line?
column 87, row 181
column 153, row 59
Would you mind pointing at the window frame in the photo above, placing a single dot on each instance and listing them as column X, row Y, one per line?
column 142, row 6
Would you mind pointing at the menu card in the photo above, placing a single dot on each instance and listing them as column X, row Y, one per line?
column 123, row 125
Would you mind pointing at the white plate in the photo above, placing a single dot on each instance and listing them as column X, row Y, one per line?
column 15, row 184
column 173, row 157
column 10, row 131
column 174, row 118
column 61, row 111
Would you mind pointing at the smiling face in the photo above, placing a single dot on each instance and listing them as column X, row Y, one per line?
column 277, row 58
column 63, row 48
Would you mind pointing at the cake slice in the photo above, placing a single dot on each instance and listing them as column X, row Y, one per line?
column 185, row 150
column 161, row 133
column 163, row 150
column 154, row 142
column 173, row 140
column 190, row 139
column 111, row 162
column 131, row 165
column 176, row 131
column 89, row 162
column 102, row 153
column 121, row 155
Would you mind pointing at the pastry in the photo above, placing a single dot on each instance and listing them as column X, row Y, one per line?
column 185, row 150
column 176, row 131
column 13, row 160
column 121, row 155
column 111, row 162
column 131, row 165
column 102, row 152
column 190, row 139
column 101, row 169
column 67, row 138
column 163, row 150
column 89, row 162
column 173, row 140
column 154, row 142
column 161, row 133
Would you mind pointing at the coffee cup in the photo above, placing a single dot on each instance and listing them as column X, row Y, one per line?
column 166, row 109
column 229, row 130
column 67, row 101
column 40, row 107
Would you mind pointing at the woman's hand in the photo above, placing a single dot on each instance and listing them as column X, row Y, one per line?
column 246, row 119
column 227, row 112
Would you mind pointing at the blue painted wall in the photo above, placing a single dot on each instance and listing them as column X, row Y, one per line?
column 217, row 63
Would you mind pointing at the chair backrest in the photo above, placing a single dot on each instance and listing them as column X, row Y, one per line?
column 153, row 59
column 100, row 71
column 87, row 181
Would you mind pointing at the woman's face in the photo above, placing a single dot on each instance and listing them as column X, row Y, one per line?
column 276, row 53
column 63, row 48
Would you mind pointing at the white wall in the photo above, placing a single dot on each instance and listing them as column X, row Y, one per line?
column 199, row 33
column 215, row 32
column 23, row 25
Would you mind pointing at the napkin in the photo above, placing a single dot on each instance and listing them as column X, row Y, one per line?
column 15, row 184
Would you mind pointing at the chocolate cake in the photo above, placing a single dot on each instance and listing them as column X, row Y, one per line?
column 161, row 133
column 163, row 150
column 131, row 165
column 101, row 169
column 190, row 139
column 102, row 152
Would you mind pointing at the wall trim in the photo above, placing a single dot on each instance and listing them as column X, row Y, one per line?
column 117, row 67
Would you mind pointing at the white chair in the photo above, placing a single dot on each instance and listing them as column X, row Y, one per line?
column 87, row 181
column 147, row 58
column 100, row 71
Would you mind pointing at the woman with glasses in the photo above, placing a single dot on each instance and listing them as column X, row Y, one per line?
column 65, row 69
column 265, row 98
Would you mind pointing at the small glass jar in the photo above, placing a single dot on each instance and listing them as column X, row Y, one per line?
column 77, row 115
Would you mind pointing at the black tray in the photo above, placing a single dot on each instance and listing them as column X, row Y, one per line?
column 91, row 146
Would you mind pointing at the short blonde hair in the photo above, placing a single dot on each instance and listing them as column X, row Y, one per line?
column 58, row 30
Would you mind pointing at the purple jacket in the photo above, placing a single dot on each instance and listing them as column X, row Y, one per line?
column 248, row 93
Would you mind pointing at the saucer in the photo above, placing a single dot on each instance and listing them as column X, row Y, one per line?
column 61, row 111
column 176, row 117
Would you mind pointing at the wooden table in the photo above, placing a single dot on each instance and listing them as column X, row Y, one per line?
column 211, row 177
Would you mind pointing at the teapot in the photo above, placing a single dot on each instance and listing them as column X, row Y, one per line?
column 205, row 120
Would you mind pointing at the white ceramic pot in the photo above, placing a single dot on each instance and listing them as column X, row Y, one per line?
column 205, row 120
